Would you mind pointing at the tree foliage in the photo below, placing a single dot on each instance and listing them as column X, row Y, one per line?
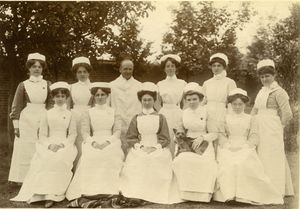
column 129, row 44
column 281, row 42
column 198, row 32
column 62, row 30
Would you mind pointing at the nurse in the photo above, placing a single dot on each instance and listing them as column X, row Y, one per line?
column 171, row 91
column 241, row 175
column 196, row 174
column 273, row 112
column 216, row 90
column 147, row 172
column 80, row 95
column 102, row 156
column 31, row 99
column 50, row 170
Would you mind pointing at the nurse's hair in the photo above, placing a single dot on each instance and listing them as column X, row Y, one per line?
column 163, row 63
column 191, row 92
column 85, row 65
column 95, row 89
column 266, row 70
column 234, row 97
column 153, row 94
column 31, row 62
column 64, row 91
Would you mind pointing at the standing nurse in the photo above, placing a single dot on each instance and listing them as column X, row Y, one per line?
column 80, row 95
column 216, row 90
column 31, row 98
column 273, row 112
column 171, row 91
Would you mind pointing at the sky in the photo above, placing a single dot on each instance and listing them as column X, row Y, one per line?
column 159, row 21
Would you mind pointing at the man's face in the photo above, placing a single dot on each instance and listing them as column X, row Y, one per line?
column 126, row 69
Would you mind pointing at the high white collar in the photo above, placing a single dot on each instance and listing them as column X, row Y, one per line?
column 36, row 79
column 87, row 82
column 171, row 78
column 148, row 111
column 60, row 108
column 221, row 75
column 273, row 86
column 101, row 107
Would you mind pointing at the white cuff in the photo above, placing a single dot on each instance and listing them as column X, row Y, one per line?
column 16, row 123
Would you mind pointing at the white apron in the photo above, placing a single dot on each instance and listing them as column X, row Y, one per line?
column 271, row 147
column 173, row 113
column 147, row 176
column 196, row 174
column 98, row 171
column 171, row 91
column 50, row 172
column 81, row 96
column 24, row 147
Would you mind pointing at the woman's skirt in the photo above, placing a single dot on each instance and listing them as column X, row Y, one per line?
column 196, row 175
column 271, row 151
column 147, row 176
column 241, row 177
column 98, row 171
column 24, row 146
column 173, row 115
column 49, row 175
column 77, row 111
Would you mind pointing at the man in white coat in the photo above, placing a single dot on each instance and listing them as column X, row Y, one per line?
column 124, row 97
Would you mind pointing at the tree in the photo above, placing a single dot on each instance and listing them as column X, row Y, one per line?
column 128, row 43
column 59, row 30
column 281, row 42
column 200, row 31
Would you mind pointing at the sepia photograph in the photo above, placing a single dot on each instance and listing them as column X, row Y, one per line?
column 149, row 104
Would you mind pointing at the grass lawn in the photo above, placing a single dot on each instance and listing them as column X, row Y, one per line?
column 7, row 191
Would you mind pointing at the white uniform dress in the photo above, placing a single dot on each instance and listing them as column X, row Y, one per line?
column 81, row 95
column 241, row 175
column 216, row 90
column 269, row 104
column 171, row 91
column 98, row 171
column 147, row 176
column 27, row 108
column 50, row 172
column 196, row 174
column 124, row 100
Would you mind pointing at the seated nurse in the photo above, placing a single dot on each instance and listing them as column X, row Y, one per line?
column 102, row 156
column 147, row 172
column 195, row 173
column 241, row 175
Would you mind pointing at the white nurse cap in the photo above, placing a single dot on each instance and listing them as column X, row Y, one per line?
column 221, row 56
column 60, row 85
column 149, row 86
column 100, row 85
column 265, row 63
column 173, row 56
column 36, row 56
column 80, row 60
column 238, row 91
column 193, row 86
